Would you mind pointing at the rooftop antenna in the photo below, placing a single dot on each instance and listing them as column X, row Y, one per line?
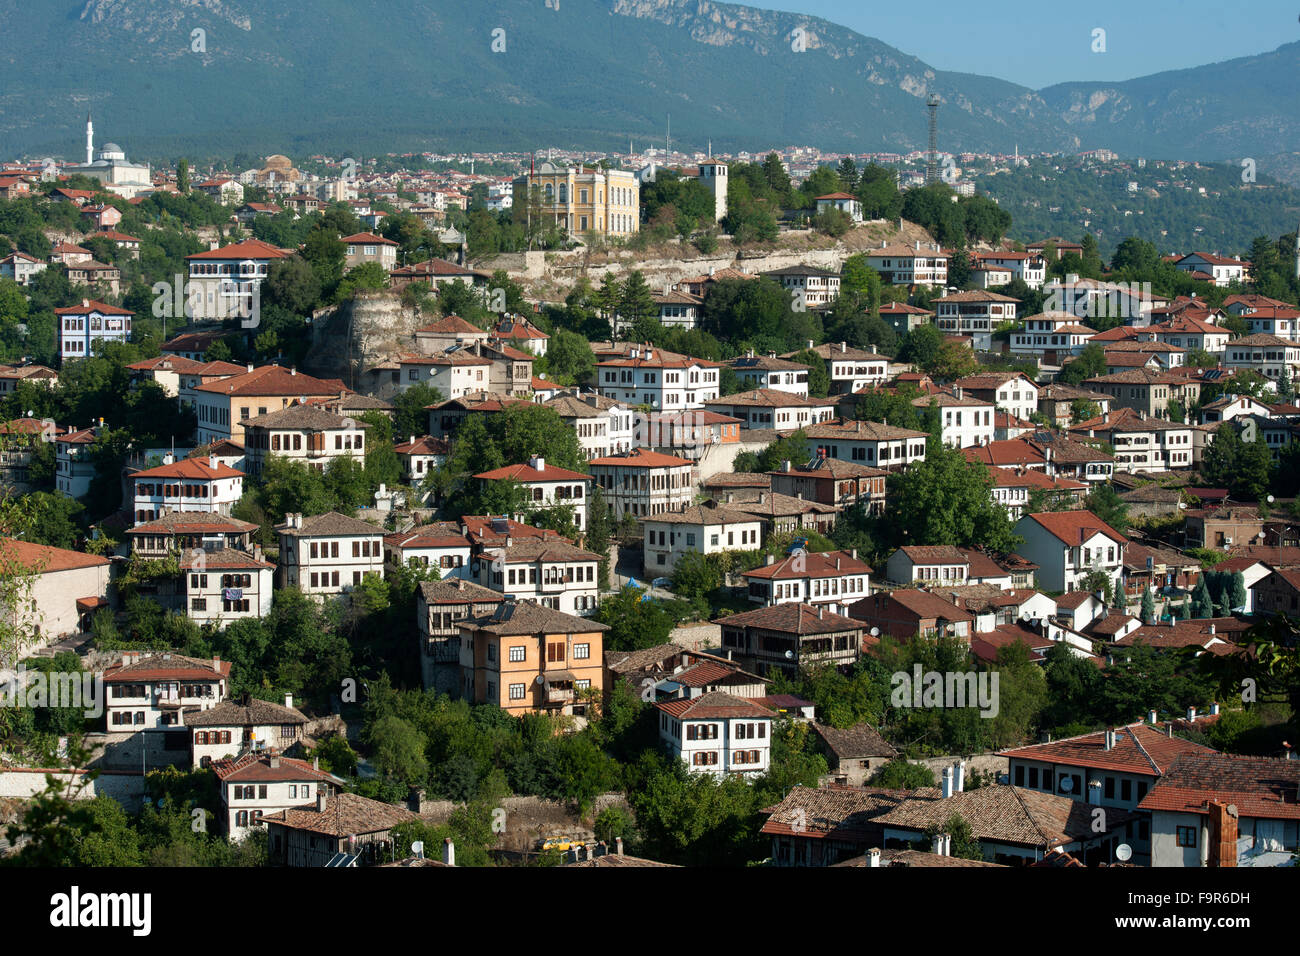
column 932, row 157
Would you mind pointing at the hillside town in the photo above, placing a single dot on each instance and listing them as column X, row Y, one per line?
column 657, row 509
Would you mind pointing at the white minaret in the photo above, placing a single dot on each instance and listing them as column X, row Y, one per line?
column 90, row 141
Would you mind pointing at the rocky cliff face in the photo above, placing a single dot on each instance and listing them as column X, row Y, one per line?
column 358, row 335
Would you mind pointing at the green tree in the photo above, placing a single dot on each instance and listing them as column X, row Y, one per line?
column 947, row 500
column 1090, row 363
column 902, row 774
column 634, row 624
column 398, row 750
column 1243, row 467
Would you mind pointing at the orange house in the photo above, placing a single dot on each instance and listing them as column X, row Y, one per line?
column 530, row 659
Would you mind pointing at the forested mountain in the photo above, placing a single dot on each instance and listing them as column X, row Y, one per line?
column 333, row 75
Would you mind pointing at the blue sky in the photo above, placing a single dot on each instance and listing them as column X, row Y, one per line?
column 1041, row 43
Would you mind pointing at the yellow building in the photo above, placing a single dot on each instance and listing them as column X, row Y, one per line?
column 581, row 199
column 531, row 659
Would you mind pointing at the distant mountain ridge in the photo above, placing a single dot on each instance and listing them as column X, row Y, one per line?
column 401, row 75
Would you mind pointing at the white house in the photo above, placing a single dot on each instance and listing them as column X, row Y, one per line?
column 305, row 434
column 81, row 326
column 1013, row 392
column 226, row 282
column 717, row 733
column 329, row 553
column 770, row 372
column 454, row 374
column 1263, row 353
column 21, row 268
column 1051, row 334
column 1220, row 270
column 973, row 313
column 226, row 585
column 552, row 573
column 767, row 408
column 832, row 579
column 850, row 369
column 1029, row 267
column 844, row 202
column 546, row 486
column 644, row 483
column 441, row 545
column 161, row 691
column 73, row 467
column 901, row 264
column 1069, row 545
column 964, row 421
column 258, row 784
column 665, row 381
column 603, row 425
column 873, row 443
column 230, row 728
column 706, row 529
column 809, row 287
column 1216, row 810
column 936, row 565
column 192, row 484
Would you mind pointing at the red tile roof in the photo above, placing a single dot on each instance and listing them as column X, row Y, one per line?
column 1075, row 527
column 1138, row 749
column 43, row 559
column 1263, row 787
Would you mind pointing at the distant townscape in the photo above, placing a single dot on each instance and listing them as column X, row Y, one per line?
column 649, row 509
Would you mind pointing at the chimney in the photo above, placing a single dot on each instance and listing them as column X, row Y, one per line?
column 854, row 554
column 844, row 346
column 959, row 776
column 946, row 788
column 1214, row 710
column 1211, row 630
column 1110, row 738
column 873, row 858
column 537, row 463
column 1152, row 717
column 941, row 844
column 212, row 462
column 1191, row 714
column 250, row 366
column 1222, row 848
column 415, row 800
column 770, row 559
column 320, row 802
column 411, row 440
column 275, row 762
column 618, row 845
column 1169, row 729
column 315, row 763
column 786, row 466
column 819, row 612
column 288, row 700
column 810, row 343
column 448, row 852
column 1094, row 792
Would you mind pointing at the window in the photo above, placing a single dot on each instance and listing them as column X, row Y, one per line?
column 554, row 652
column 581, row 652
column 517, row 690
column 517, row 654
column 1187, row 836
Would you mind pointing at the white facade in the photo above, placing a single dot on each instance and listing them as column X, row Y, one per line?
column 192, row 484
column 643, row 483
column 226, row 586
column 718, row 746
column 554, row 574
column 645, row 377
column 1062, row 562
column 701, row 529
column 328, row 554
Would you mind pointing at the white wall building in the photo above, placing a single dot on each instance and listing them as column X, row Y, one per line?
column 329, row 553
column 717, row 733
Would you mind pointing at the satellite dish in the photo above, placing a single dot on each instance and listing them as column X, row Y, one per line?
column 789, row 655
column 875, row 632
column 1270, row 499
column 1123, row 852
column 541, row 679
column 417, row 848
column 1067, row 784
